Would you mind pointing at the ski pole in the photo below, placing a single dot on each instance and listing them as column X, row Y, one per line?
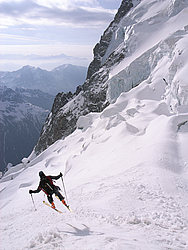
column 33, row 202
column 64, row 189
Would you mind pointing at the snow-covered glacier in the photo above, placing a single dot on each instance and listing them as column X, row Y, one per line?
column 155, row 36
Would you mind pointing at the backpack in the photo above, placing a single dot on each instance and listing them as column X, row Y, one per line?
column 47, row 186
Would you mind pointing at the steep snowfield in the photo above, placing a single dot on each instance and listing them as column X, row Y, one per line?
column 155, row 41
column 125, row 169
column 126, row 175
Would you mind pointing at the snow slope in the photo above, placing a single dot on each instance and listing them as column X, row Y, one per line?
column 155, row 38
column 125, row 169
column 126, row 175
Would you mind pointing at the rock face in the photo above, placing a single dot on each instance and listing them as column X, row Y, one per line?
column 20, row 125
column 56, row 123
column 91, row 96
column 101, row 48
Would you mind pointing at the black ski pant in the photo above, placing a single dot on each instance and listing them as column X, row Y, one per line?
column 57, row 193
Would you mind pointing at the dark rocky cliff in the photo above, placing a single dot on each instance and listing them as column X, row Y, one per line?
column 89, row 97
column 100, row 48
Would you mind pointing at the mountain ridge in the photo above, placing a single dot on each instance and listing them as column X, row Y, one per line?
column 57, row 80
column 20, row 123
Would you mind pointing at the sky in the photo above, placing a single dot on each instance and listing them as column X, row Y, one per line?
column 48, row 33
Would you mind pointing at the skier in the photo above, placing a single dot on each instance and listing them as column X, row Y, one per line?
column 46, row 185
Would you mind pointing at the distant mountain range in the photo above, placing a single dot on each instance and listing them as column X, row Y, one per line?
column 26, row 98
column 36, row 97
column 64, row 78
column 20, row 122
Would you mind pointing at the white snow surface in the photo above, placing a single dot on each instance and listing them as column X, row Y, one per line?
column 155, row 38
column 126, row 178
column 125, row 169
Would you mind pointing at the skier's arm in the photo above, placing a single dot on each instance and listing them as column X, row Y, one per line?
column 35, row 191
column 56, row 177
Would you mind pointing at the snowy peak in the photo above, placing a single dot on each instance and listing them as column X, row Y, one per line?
column 101, row 48
column 61, row 79
column 29, row 68
column 123, row 9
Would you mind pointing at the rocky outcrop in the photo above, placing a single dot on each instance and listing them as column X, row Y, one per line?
column 91, row 96
column 55, row 124
column 101, row 48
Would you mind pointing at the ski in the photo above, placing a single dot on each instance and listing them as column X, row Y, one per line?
column 68, row 208
column 52, row 207
column 65, row 204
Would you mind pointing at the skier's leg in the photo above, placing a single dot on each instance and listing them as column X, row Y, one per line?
column 50, row 199
column 60, row 196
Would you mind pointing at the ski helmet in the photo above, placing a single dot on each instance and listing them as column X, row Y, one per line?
column 41, row 174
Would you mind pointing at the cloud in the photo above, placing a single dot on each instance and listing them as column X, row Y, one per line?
column 47, row 56
column 48, row 49
column 67, row 3
column 13, row 37
column 34, row 57
column 56, row 27
column 15, row 8
column 47, row 12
